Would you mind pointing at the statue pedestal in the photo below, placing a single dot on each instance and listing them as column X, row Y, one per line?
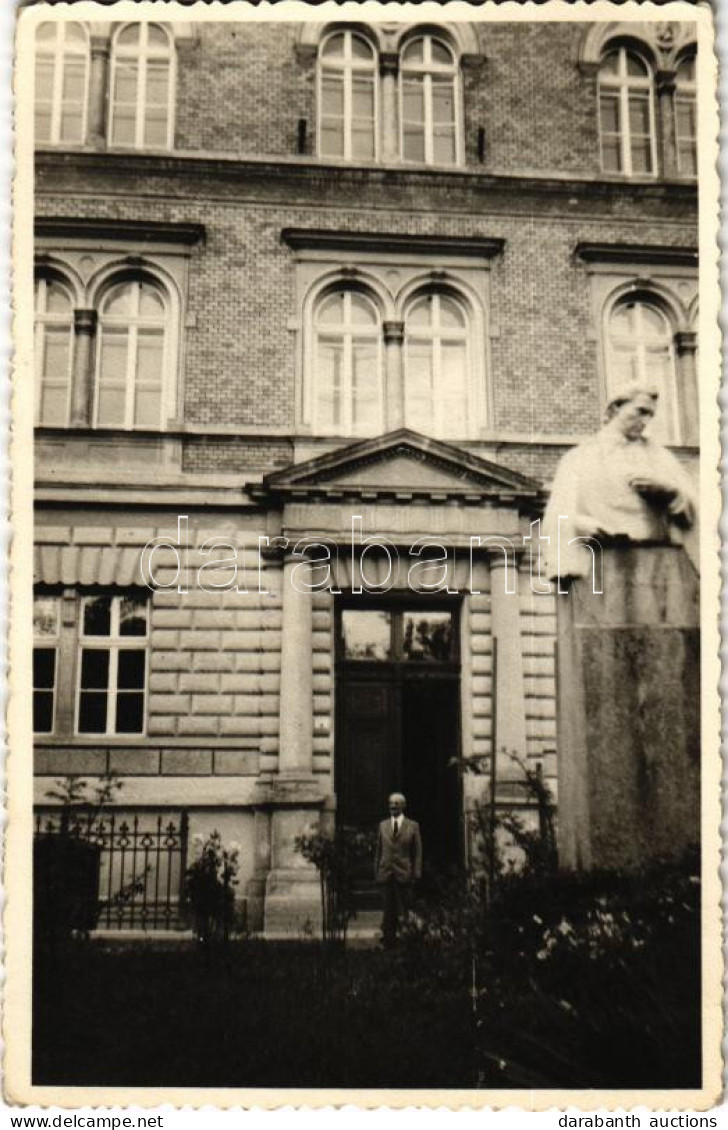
column 628, row 665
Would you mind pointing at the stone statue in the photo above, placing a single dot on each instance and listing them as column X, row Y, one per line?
column 618, row 485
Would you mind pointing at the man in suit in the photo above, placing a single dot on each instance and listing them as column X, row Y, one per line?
column 398, row 865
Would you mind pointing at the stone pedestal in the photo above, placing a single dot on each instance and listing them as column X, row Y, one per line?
column 292, row 895
column 629, row 711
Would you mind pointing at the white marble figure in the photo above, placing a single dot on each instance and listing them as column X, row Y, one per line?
column 617, row 485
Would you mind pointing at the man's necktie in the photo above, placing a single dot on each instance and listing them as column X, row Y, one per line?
column 395, row 830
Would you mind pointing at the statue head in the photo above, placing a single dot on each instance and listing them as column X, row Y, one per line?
column 631, row 407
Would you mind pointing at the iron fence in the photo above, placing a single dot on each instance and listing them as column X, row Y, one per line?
column 143, row 858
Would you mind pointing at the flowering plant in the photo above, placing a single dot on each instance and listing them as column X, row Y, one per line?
column 210, row 880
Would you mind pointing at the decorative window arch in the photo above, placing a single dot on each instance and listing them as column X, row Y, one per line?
column 626, row 112
column 61, row 82
column 142, row 87
column 54, row 338
column 686, row 125
column 437, row 363
column 348, row 392
column 429, row 102
column 348, row 97
column 641, row 346
column 134, row 363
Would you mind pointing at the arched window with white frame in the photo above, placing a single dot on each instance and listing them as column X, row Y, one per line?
column 347, row 365
column 626, row 113
column 430, row 120
column 142, row 87
column 53, row 350
column 686, row 124
column 61, row 82
column 133, row 366
column 348, row 97
column 640, row 347
column 437, row 366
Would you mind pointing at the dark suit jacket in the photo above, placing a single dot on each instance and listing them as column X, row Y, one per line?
column 401, row 858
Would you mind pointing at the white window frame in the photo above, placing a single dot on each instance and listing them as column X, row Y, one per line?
column 133, row 324
column 639, row 343
column 61, row 50
column 435, row 334
column 113, row 643
column 623, row 84
column 426, row 71
column 142, row 55
column 42, row 320
column 686, row 92
column 348, row 69
column 49, row 642
column 346, row 331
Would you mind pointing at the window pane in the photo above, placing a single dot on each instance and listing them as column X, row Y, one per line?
column 443, row 147
column 414, row 144
column 44, row 79
column 453, row 387
column 43, row 712
column 641, row 157
column 42, row 124
column 686, row 118
column 635, row 66
column 44, row 668
column 330, row 378
column 57, row 351
column 113, row 356
column 440, row 53
column 334, row 47
column 363, row 98
column 129, row 713
column 688, row 159
column 609, row 113
column 71, row 125
column 418, row 386
column 421, row 313
column 157, row 37
column 686, row 70
column 133, row 617
column 155, row 130
column 150, row 354
column 366, row 635
column 157, row 84
column 413, row 53
column 75, row 36
column 331, row 311
column 97, row 616
column 365, row 387
column 653, row 321
column 360, row 49
column 118, row 303
column 427, row 637
column 639, row 115
column 129, row 37
column 451, row 315
column 53, row 409
column 443, row 102
column 610, row 64
column 94, row 668
column 332, row 96
column 147, row 407
column 362, row 312
column 611, row 156
column 45, row 616
column 362, row 142
column 124, row 131
column 332, row 139
column 74, row 81
column 413, row 103
column 111, row 407
column 131, row 669
column 125, row 86
column 46, row 33
column 151, row 304
column 57, row 299
column 92, row 712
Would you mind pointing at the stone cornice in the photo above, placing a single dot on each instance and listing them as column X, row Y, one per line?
column 301, row 239
column 136, row 231
column 299, row 171
column 642, row 254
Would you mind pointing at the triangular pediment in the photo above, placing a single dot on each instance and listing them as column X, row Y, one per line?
column 401, row 464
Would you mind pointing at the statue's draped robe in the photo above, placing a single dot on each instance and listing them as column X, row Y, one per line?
column 592, row 493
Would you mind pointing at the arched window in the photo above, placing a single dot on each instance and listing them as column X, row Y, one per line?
column 429, row 102
column 641, row 347
column 142, row 81
column 53, row 351
column 686, row 126
column 348, row 97
column 436, row 381
column 348, row 365
column 61, row 82
column 132, row 356
column 626, row 114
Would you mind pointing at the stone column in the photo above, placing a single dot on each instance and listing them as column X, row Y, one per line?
column 255, row 888
column 389, row 110
column 293, row 796
column 99, row 95
column 84, row 326
column 509, row 693
column 667, row 141
column 393, row 375
column 628, row 686
column 687, row 348
column 295, row 754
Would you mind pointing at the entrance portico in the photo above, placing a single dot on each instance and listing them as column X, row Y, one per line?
column 408, row 548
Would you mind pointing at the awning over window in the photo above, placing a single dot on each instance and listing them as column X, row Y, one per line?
column 87, row 565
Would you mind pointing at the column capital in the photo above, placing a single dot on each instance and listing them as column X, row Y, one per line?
column 388, row 63
column 85, row 321
column 686, row 341
column 665, row 81
column 100, row 49
column 393, row 331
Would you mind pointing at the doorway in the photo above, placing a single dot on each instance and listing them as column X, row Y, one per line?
column 398, row 721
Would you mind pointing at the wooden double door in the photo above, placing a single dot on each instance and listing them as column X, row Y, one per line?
column 398, row 722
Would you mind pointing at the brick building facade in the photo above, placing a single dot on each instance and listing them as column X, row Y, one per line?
column 293, row 275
